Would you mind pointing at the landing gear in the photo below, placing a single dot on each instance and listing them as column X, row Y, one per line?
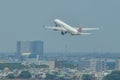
column 63, row 32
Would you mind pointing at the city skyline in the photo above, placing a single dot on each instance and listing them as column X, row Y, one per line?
column 29, row 48
column 23, row 20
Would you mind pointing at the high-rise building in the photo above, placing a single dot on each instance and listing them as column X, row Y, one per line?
column 37, row 48
column 118, row 64
column 59, row 63
column 29, row 47
column 84, row 65
column 93, row 63
column 97, row 65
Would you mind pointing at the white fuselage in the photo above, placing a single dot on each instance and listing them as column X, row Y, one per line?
column 66, row 26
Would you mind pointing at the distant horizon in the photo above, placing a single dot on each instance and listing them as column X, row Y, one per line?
column 70, row 52
column 77, row 55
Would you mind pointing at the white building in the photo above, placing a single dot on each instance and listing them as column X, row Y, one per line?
column 118, row 64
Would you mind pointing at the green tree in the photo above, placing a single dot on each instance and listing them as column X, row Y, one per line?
column 88, row 77
column 25, row 75
column 11, row 76
column 12, row 66
column 115, row 75
column 50, row 76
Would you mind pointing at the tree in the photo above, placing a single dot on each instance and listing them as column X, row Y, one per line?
column 25, row 75
column 12, row 66
column 11, row 76
column 115, row 75
column 50, row 76
column 88, row 77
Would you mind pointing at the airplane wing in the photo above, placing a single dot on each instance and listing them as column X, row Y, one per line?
column 83, row 29
column 57, row 28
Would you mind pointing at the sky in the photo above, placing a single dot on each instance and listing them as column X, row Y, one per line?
column 22, row 20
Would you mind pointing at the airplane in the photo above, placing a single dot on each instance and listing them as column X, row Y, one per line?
column 65, row 28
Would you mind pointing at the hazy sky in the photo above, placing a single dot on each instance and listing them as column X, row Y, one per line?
column 23, row 20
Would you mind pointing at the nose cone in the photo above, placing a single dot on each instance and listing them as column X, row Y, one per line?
column 56, row 20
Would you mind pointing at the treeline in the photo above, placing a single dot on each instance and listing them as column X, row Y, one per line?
column 114, row 75
column 12, row 66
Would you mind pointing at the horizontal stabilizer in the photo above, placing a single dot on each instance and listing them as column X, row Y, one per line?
column 85, row 33
column 90, row 28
